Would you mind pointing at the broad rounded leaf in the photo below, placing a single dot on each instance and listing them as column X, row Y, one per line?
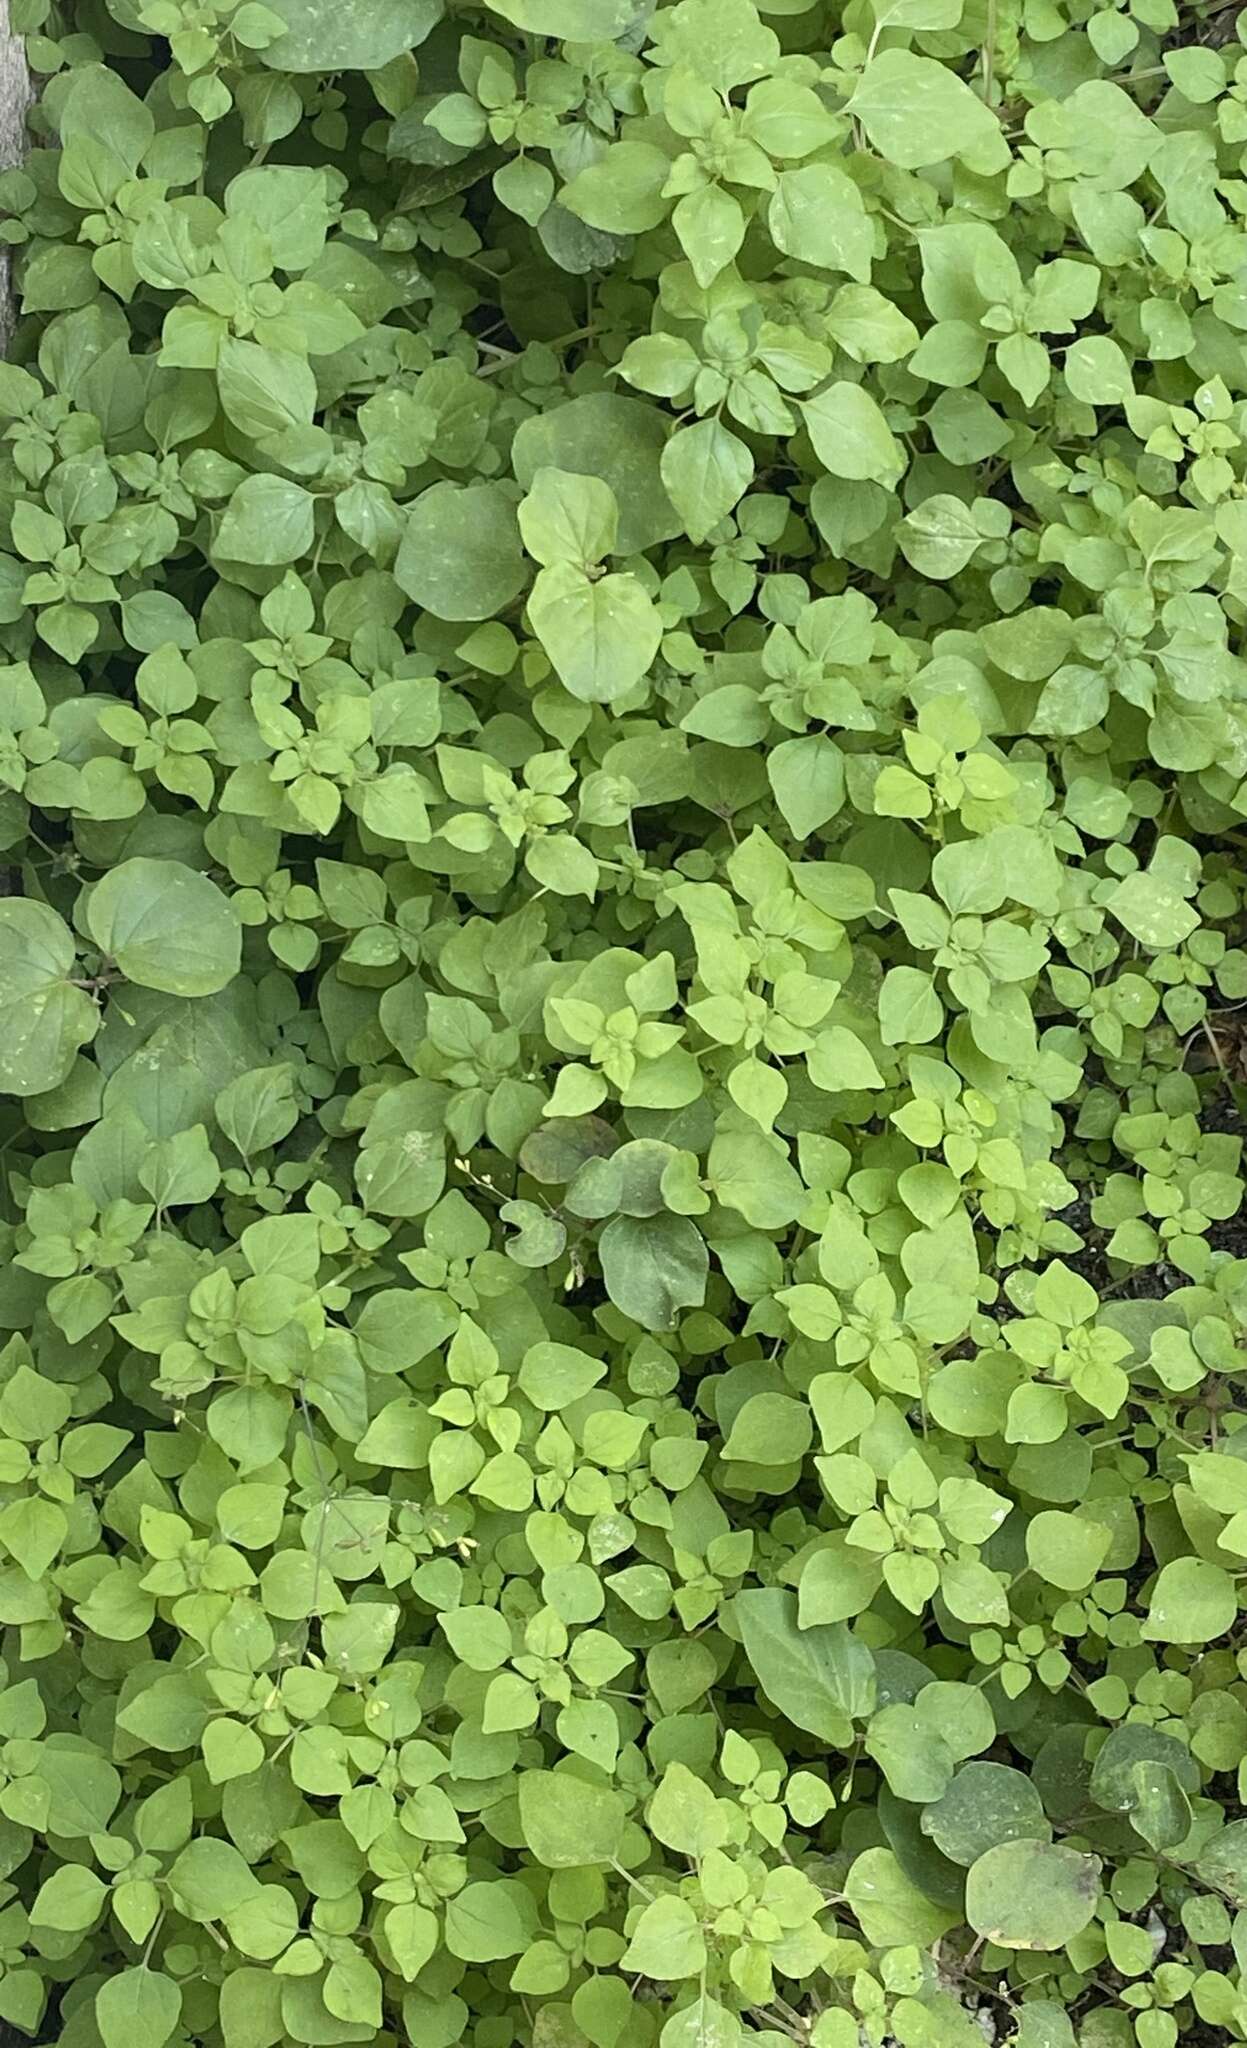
column 264, row 390
column 43, row 1017
column 617, row 439
column 622, row 194
column 807, row 776
column 1193, row 1601
column 1032, row 1894
column 489, row 1920
column 568, row 1823
column 1115, row 1783
column 918, row 112
column 347, row 35
column 600, row 632
column 889, row 1907
column 851, row 437
column 654, row 1266
column 986, row 1804
column 706, row 469
column 166, row 927
column 461, row 556
column 1152, row 911
column 1066, row 1550
column 268, row 521
column 816, row 213
column 1222, row 1862
column 137, row 2008
column 821, row 1677
column 574, row 21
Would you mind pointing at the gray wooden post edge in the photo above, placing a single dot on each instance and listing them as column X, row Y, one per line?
column 16, row 94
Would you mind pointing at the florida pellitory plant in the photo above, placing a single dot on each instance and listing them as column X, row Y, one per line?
column 623, row 782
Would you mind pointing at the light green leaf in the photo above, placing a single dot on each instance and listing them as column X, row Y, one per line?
column 568, row 518
column 600, row 633
column 1032, row 1894
column 137, row 2008
column 817, row 213
column 617, row 439
column 622, row 193
column 1152, row 911
column 267, row 521
column 489, row 1920
column 706, row 469
column 851, row 437
column 460, row 555
column 568, row 1822
column 822, row 1678
column 359, row 35
column 807, row 776
column 917, row 112
column 166, row 927
column 667, row 1942
column 575, row 21
column 1192, row 1601
column 888, row 1907
column 264, row 390
column 43, row 1017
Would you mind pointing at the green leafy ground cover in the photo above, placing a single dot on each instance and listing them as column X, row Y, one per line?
column 623, row 753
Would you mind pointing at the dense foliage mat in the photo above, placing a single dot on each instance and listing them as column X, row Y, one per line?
column 623, row 755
